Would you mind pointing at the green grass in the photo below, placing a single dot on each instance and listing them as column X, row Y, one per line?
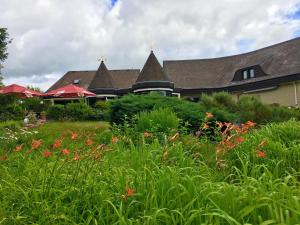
column 174, row 182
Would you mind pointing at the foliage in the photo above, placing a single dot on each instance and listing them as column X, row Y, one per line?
column 35, row 104
column 4, row 41
column 10, row 108
column 38, row 89
column 79, row 111
column 159, row 120
column 102, row 110
column 131, row 105
column 56, row 112
column 79, row 173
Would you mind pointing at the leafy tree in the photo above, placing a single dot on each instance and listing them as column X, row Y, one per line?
column 4, row 41
column 38, row 89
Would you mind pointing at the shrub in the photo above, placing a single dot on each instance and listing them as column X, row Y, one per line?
column 56, row 112
column 35, row 105
column 79, row 111
column 159, row 120
column 131, row 105
column 102, row 110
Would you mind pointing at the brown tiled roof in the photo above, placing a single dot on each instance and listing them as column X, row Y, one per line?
column 84, row 77
column 152, row 71
column 124, row 79
column 102, row 78
column 277, row 60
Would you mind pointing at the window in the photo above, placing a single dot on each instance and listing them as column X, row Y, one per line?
column 76, row 81
column 245, row 74
column 252, row 75
column 249, row 73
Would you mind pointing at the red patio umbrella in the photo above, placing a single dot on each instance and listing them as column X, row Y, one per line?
column 20, row 91
column 70, row 91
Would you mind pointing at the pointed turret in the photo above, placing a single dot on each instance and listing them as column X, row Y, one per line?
column 102, row 79
column 152, row 71
column 153, row 76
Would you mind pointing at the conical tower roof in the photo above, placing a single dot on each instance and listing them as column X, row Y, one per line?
column 152, row 71
column 102, row 79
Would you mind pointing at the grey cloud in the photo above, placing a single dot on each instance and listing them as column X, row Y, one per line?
column 52, row 37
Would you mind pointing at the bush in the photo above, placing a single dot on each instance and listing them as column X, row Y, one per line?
column 131, row 105
column 159, row 120
column 56, row 112
column 79, row 111
column 102, row 110
column 35, row 105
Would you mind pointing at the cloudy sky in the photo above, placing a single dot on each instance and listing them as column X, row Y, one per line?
column 51, row 37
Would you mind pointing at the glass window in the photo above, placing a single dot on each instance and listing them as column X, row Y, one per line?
column 245, row 74
column 76, row 81
column 252, row 74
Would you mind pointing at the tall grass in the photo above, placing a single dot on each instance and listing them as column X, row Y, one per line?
column 175, row 182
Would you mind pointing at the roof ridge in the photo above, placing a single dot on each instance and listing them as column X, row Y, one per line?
column 237, row 55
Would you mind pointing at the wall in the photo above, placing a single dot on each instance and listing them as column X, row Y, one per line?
column 283, row 95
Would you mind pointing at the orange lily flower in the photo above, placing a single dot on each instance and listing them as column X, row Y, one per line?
column 263, row 143
column 57, row 144
column 65, row 151
column 250, row 124
column 19, row 148
column 130, row 192
column 114, row 139
column 260, row 154
column 205, row 126
column 239, row 139
column 74, row 136
column 47, row 154
column 36, row 144
column 76, row 157
column 209, row 115
column 146, row 135
column 89, row 142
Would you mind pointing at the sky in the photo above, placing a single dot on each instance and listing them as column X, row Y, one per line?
column 51, row 37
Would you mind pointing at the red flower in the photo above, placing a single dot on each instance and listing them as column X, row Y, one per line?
column 36, row 144
column 74, row 136
column 89, row 142
column 57, row 144
column 19, row 148
column 47, row 154
column 260, row 154
column 209, row 115
column 130, row 192
column 65, row 151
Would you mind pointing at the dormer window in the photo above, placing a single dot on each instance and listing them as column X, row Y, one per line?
column 76, row 81
column 249, row 73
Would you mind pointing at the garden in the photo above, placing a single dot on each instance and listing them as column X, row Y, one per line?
column 151, row 160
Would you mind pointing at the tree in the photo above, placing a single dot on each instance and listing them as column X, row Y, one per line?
column 4, row 41
column 38, row 89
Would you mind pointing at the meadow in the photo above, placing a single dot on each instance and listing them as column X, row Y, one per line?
column 92, row 173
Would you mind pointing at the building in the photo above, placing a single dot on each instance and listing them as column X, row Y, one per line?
column 272, row 74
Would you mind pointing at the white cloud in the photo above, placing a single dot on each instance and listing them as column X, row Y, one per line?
column 51, row 37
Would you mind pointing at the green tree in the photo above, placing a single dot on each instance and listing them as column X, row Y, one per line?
column 4, row 41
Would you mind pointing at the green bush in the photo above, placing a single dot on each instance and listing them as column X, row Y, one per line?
column 131, row 105
column 102, row 110
column 35, row 105
column 159, row 120
column 56, row 112
column 10, row 108
column 79, row 111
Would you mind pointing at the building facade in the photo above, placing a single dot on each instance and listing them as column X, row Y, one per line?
column 271, row 74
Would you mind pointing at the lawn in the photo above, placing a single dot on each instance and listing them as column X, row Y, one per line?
column 89, row 173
